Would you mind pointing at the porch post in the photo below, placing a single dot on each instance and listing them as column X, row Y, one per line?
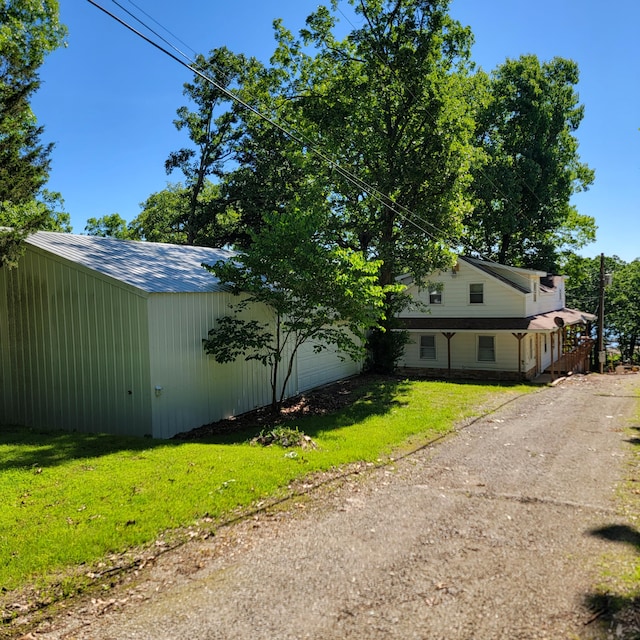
column 448, row 335
column 519, row 337
column 551, row 334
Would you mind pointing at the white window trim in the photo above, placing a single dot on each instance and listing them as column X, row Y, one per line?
column 436, row 292
column 476, row 284
column 493, row 338
column 435, row 346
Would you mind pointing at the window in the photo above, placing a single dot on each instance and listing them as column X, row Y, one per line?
column 428, row 347
column 476, row 293
column 486, row 349
column 435, row 296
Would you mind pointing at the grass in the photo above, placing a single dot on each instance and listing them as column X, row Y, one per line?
column 71, row 500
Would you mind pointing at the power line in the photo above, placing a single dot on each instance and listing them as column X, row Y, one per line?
column 382, row 199
column 386, row 201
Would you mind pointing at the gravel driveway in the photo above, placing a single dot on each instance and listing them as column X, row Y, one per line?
column 485, row 535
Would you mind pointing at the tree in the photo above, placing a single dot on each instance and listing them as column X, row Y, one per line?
column 28, row 32
column 311, row 288
column 621, row 303
column 17, row 221
column 622, row 308
column 529, row 165
column 211, row 129
column 109, row 226
column 387, row 105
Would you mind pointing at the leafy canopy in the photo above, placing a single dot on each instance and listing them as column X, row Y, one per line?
column 529, row 167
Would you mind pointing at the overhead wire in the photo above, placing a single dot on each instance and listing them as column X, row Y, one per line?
column 382, row 199
column 406, row 214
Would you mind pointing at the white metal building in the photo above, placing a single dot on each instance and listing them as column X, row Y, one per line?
column 104, row 335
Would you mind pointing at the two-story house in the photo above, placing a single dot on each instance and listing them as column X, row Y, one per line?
column 483, row 319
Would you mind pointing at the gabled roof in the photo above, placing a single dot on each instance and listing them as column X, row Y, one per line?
column 150, row 266
column 501, row 272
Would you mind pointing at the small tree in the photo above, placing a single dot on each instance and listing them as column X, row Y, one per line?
column 312, row 289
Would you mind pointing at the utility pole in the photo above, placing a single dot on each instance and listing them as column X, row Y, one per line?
column 601, row 352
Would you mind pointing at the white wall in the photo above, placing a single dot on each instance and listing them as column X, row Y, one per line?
column 500, row 299
column 76, row 348
column 464, row 352
column 316, row 369
column 195, row 389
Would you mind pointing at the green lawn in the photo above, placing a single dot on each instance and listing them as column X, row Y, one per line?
column 73, row 499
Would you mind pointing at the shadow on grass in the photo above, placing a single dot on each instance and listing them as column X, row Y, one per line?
column 375, row 397
column 39, row 448
column 612, row 610
column 364, row 397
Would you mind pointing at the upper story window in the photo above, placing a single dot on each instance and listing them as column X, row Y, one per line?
column 476, row 294
column 435, row 296
column 428, row 347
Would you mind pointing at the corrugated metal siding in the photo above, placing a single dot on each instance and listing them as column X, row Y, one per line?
column 78, row 350
column 196, row 390
column 315, row 369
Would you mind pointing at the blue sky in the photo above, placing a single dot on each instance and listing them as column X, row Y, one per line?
column 108, row 100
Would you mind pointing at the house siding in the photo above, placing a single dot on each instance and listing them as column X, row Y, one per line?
column 500, row 300
column 464, row 352
column 194, row 389
column 74, row 349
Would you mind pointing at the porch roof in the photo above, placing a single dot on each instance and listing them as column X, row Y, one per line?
column 542, row 322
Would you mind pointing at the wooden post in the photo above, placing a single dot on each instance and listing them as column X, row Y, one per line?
column 448, row 335
column 551, row 367
column 601, row 316
column 519, row 337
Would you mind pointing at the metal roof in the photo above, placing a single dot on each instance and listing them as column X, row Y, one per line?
column 153, row 267
column 492, row 269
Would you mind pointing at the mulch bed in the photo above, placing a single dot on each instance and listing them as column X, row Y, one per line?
column 321, row 401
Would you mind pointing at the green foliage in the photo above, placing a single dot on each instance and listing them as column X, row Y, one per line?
column 387, row 104
column 529, row 167
column 17, row 221
column 622, row 309
column 285, row 437
column 109, row 226
column 212, row 130
column 28, row 32
column 621, row 302
column 312, row 289
column 71, row 500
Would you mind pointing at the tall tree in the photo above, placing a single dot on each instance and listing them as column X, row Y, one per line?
column 387, row 106
column 212, row 128
column 28, row 32
column 529, row 166
column 112, row 225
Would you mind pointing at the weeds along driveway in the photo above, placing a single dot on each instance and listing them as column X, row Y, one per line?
column 488, row 534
